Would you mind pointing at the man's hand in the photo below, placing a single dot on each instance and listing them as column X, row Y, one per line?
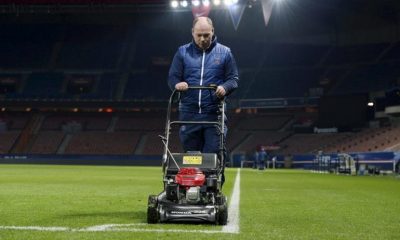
column 220, row 92
column 182, row 86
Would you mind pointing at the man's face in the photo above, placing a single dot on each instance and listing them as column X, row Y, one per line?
column 202, row 34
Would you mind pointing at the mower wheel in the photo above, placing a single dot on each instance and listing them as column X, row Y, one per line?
column 152, row 213
column 222, row 209
column 222, row 215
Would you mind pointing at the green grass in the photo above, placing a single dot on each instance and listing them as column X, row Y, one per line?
column 280, row 204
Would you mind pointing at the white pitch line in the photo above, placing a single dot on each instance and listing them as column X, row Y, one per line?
column 158, row 230
column 231, row 227
column 105, row 227
column 36, row 228
column 233, row 210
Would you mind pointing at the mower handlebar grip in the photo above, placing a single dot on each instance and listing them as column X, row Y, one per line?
column 210, row 87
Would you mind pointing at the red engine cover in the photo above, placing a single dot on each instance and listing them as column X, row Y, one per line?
column 190, row 177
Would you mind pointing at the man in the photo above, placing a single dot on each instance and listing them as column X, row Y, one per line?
column 260, row 156
column 201, row 63
column 263, row 156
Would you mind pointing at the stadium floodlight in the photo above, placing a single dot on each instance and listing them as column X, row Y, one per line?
column 228, row 2
column 206, row 3
column 184, row 3
column 195, row 3
column 235, row 1
column 174, row 4
column 217, row 2
column 279, row 1
column 370, row 104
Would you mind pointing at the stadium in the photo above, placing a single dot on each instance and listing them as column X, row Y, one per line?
column 313, row 140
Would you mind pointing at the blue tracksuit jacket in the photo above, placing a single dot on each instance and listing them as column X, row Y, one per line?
column 198, row 67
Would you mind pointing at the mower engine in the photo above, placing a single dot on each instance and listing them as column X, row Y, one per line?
column 190, row 180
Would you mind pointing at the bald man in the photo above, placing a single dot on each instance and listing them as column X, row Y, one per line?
column 202, row 62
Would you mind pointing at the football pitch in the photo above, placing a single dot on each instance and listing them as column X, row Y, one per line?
column 102, row 202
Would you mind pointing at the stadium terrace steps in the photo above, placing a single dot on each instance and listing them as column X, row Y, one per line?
column 96, row 142
column 141, row 143
column 154, row 146
column 257, row 138
column 47, row 142
column 27, row 136
column 7, row 140
column 64, row 144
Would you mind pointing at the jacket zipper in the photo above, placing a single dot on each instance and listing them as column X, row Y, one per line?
column 201, row 78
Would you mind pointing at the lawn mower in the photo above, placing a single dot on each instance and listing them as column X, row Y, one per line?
column 192, row 180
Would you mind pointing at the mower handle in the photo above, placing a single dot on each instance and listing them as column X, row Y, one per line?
column 209, row 87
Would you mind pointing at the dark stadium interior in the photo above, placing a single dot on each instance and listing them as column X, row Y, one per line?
column 79, row 77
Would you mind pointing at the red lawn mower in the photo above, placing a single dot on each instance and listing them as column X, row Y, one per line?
column 193, row 180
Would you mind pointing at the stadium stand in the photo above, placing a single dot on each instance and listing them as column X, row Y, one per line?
column 90, row 46
column 7, row 140
column 270, row 83
column 27, row 46
column 87, row 121
column 127, row 62
column 141, row 122
column 43, row 85
column 106, row 87
column 84, row 48
column 47, row 142
column 99, row 142
column 367, row 78
column 247, row 57
column 235, row 138
column 153, row 145
column 393, row 53
column 257, row 138
column 367, row 140
column 307, row 143
column 263, row 122
column 364, row 53
column 137, row 133
column 293, row 55
column 147, row 86
column 15, row 121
